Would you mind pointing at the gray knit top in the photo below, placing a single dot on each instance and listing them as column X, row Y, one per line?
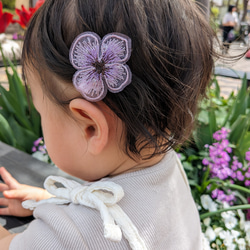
column 157, row 200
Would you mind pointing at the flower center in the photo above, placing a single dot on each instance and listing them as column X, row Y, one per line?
column 99, row 66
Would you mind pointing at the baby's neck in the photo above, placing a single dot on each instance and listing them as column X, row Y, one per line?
column 130, row 165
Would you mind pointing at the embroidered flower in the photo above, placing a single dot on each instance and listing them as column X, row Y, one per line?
column 100, row 64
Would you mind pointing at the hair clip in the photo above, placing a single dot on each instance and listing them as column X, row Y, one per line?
column 100, row 64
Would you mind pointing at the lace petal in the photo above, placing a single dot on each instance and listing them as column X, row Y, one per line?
column 85, row 50
column 90, row 84
column 115, row 48
column 117, row 76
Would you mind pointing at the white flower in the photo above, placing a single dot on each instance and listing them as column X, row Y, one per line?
column 231, row 247
column 247, row 227
column 247, row 231
column 248, row 239
column 207, row 221
column 40, row 156
column 206, row 201
column 227, row 214
column 212, row 207
column 225, row 205
column 210, row 234
column 217, row 230
column 229, row 219
column 9, row 47
column 205, row 243
column 198, row 206
column 242, row 219
column 222, row 234
column 241, row 214
column 208, row 204
column 241, row 244
column 228, row 240
column 230, row 222
column 235, row 234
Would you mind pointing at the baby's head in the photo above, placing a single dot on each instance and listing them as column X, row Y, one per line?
column 171, row 63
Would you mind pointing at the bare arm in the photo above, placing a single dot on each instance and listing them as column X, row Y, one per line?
column 3, row 232
column 5, row 238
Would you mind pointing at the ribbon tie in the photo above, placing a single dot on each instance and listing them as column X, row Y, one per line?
column 101, row 195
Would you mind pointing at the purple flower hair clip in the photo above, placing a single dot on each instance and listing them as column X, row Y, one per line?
column 100, row 64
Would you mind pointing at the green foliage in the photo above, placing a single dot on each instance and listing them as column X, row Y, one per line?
column 217, row 112
column 19, row 121
column 9, row 4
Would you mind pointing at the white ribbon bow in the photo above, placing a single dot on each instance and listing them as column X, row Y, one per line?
column 101, row 195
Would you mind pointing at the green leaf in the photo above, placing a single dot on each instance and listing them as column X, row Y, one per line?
column 17, row 88
column 10, row 104
column 35, row 120
column 239, row 127
column 19, row 119
column 212, row 122
column 24, row 137
column 187, row 166
column 221, row 115
column 217, row 87
column 192, row 183
column 244, row 143
column 6, row 133
column 202, row 136
column 241, row 103
column 6, row 100
column 203, row 117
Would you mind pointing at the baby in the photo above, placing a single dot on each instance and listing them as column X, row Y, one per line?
column 117, row 84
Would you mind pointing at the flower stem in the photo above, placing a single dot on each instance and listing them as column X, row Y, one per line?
column 234, row 186
column 209, row 214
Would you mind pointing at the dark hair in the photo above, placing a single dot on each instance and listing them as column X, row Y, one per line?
column 230, row 8
column 171, row 61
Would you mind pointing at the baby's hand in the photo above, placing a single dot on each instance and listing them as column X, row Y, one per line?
column 15, row 193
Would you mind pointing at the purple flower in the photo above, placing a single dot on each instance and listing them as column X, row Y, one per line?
column 38, row 141
column 247, row 183
column 224, row 143
column 33, row 149
column 215, row 193
column 42, row 149
column 100, row 64
column 205, row 162
column 248, row 155
column 222, row 196
column 221, row 134
column 233, row 175
column 236, row 164
column 240, row 176
column 15, row 36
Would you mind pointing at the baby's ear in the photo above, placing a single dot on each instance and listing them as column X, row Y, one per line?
column 93, row 124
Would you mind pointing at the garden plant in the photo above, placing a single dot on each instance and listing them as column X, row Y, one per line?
column 19, row 121
column 217, row 163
